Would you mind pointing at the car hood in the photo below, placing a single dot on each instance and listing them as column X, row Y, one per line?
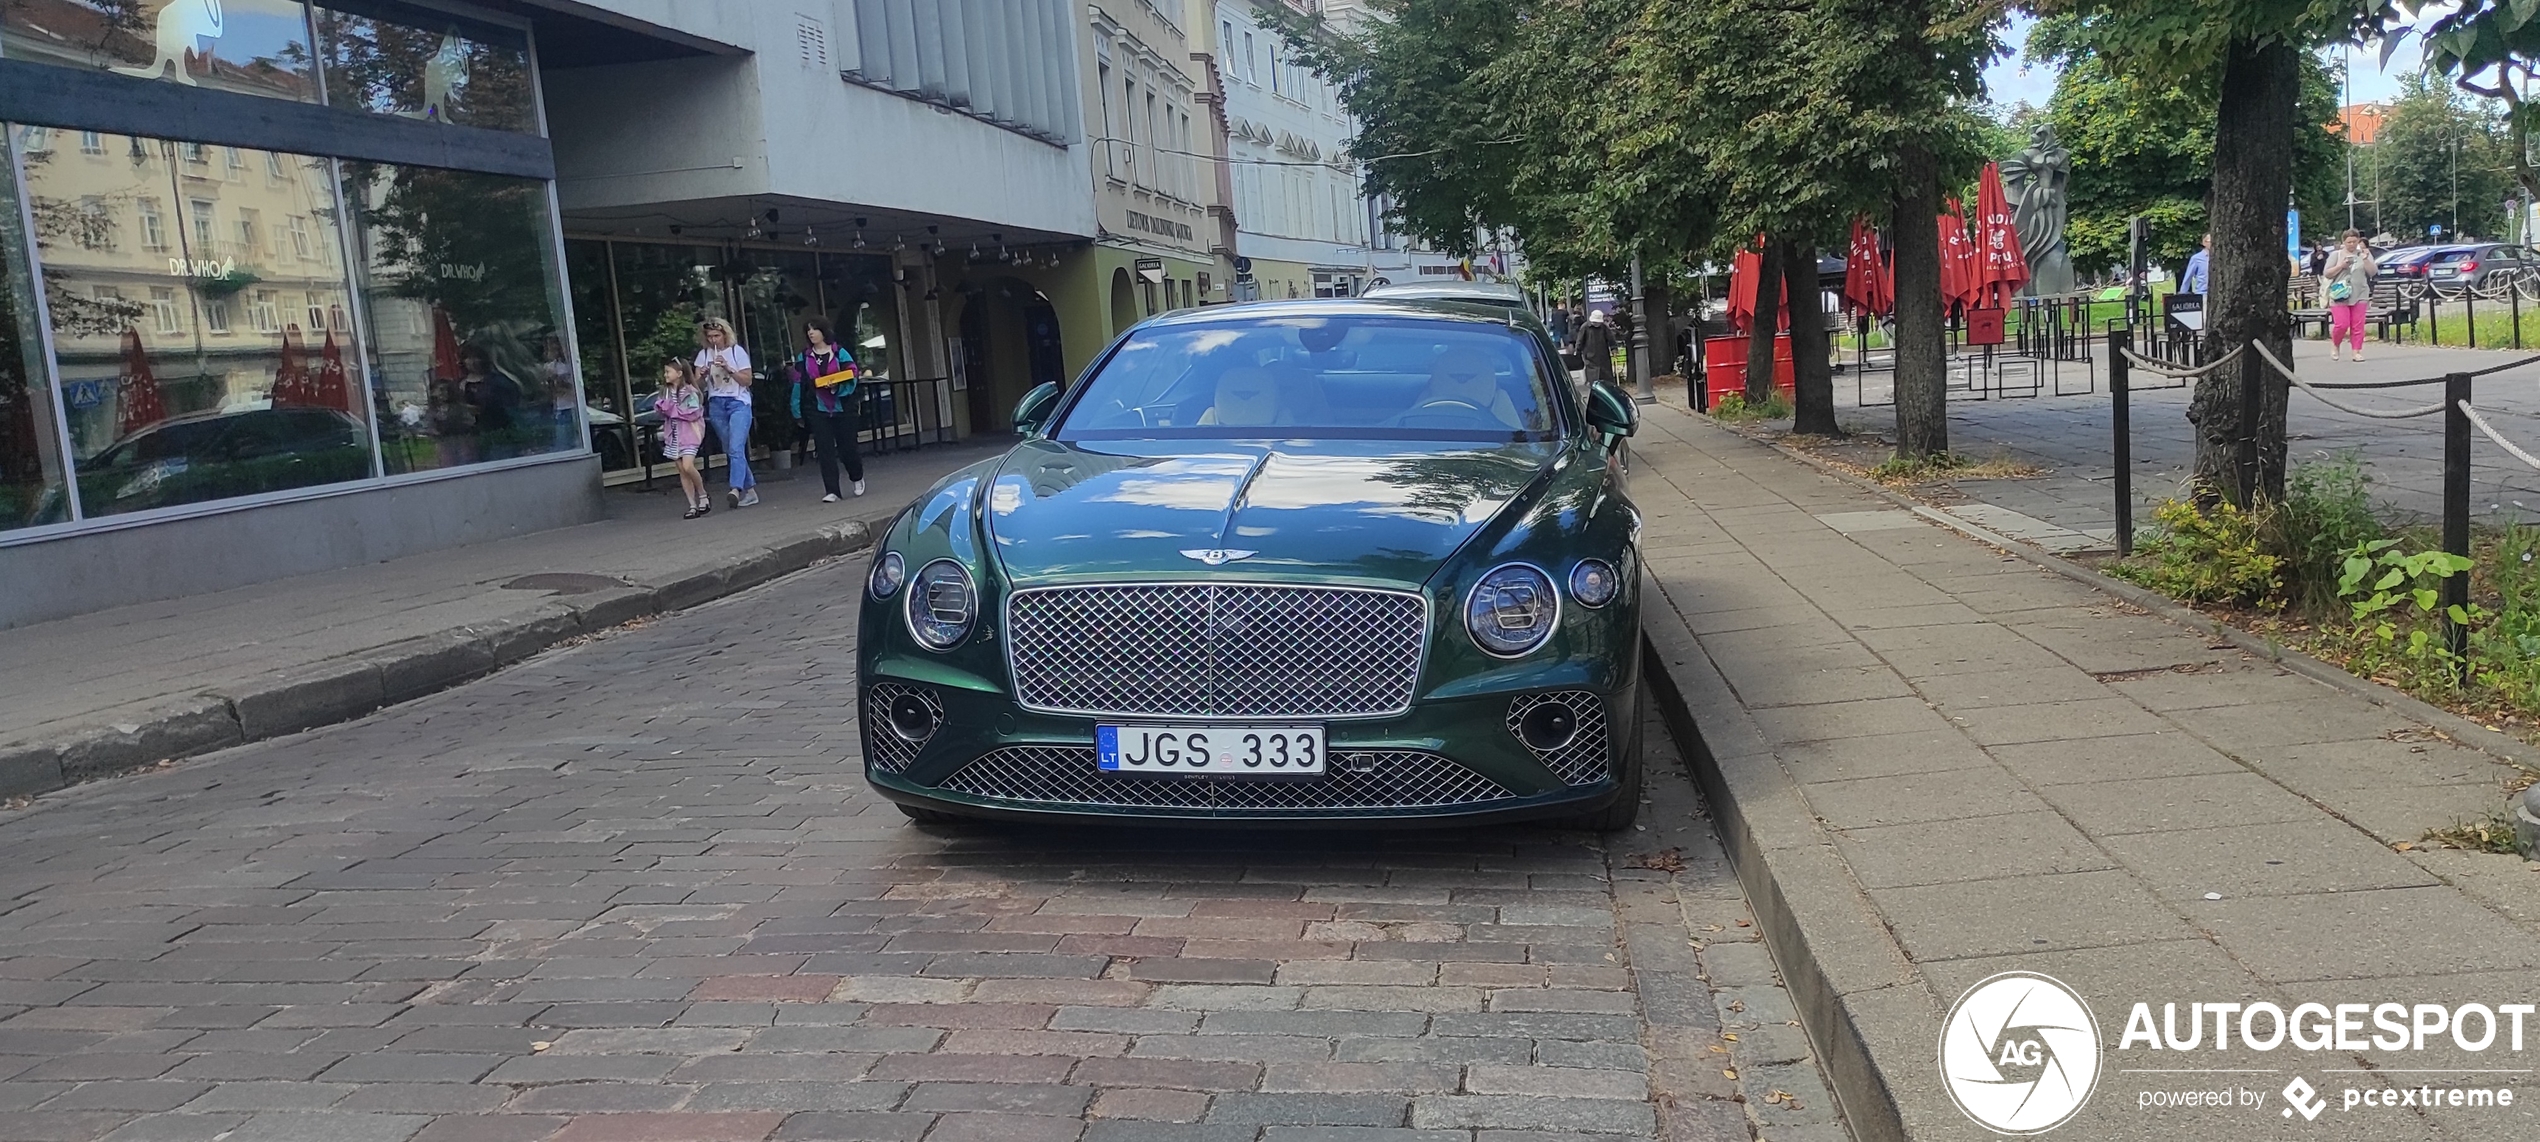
column 1380, row 511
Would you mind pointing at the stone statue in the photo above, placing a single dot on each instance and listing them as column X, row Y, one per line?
column 2039, row 184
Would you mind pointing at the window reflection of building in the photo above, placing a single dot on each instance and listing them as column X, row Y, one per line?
column 254, row 47
column 172, row 352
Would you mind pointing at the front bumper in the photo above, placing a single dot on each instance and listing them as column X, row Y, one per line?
column 1449, row 760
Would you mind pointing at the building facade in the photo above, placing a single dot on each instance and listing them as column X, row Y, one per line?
column 291, row 286
column 1148, row 105
column 1304, row 229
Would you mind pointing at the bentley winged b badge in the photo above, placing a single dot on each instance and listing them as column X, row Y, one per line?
column 1217, row 556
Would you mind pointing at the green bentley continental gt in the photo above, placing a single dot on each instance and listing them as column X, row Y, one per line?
column 1337, row 562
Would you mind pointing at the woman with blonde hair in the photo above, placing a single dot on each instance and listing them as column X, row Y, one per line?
column 724, row 366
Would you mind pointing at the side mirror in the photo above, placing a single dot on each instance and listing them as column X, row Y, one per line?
column 1034, row 409
column 1609, row 411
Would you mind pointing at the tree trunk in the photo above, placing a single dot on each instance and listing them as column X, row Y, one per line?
column 1922, row 364
column 1759, row 338
column 2253, row 182
column 1654, row 304
column 1811, row 372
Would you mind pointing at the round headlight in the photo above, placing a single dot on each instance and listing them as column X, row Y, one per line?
column 888, row 573
column 1594, row 582
column 941, row 605
column 1512, row 610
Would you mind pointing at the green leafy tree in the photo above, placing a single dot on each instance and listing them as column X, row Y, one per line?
column 2147, row 148
column 2252, row 52
column 2440, row 161
column 2489, row 48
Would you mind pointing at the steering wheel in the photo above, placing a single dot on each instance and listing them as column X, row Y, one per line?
column 1445, row 412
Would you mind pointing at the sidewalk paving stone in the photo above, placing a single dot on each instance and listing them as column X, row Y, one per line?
column 2075, row 787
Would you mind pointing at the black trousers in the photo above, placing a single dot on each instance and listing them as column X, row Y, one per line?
column 834, row 434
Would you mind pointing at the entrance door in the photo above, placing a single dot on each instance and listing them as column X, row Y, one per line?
column 984, row 415
column 1040, row 335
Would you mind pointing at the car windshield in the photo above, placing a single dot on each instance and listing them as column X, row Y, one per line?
column 1368, row 378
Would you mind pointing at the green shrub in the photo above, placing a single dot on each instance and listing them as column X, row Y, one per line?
column 2506, row 652
column 2212, row 556
column 2326, row 513
column 1734, row 406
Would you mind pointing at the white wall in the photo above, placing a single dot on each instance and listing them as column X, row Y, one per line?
column 626, row 133
column 1312, row 213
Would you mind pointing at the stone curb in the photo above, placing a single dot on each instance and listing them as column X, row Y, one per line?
column 340, row 689
column 1833, row 951
column 2462, row 729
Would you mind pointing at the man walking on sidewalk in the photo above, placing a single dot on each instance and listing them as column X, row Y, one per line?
column 1596, row 347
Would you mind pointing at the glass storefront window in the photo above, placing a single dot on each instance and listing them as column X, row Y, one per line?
column 30, row 444
column 182, row 378
column 459, row 278
column 604, row 382
column 415, row 64
column 256, row 47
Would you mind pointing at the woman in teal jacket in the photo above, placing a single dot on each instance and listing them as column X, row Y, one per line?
column 829, row 410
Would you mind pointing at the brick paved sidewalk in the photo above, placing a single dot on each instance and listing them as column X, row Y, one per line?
column 636, row 890
column 1940, row 762
column 125, row 687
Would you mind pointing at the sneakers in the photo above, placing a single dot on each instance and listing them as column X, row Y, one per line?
column 735, row 496
column 859, row 489
column 749, row 497
column 831, row 498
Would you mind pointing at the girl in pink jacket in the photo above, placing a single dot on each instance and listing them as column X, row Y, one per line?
column 683, row 429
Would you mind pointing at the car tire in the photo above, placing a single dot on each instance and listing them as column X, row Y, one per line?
column 1628, row 775
column 926, row 816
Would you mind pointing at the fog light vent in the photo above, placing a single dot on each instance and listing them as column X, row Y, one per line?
column 898, row 721
column 1566, row 731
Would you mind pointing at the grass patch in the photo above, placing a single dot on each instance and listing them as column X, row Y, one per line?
column 1735, row 409
column 1898, row 470
column 2492, row 835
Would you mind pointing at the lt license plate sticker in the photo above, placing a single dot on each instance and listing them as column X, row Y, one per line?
column 1217, row 751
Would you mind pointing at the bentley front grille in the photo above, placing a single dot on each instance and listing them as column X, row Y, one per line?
column 1366, row 779
column 1216, row 650
column 1581, row 760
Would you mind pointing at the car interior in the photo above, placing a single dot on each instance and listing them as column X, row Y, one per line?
column 1359, row 378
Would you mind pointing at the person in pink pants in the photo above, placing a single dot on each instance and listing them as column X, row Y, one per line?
column 2348, row 280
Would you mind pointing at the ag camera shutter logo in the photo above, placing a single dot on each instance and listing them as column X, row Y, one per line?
column 2020, row 1053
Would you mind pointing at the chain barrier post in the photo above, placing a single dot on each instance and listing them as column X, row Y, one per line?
column 2433, row 316
column 2456, row 393
column 2121, row 420
column 2252, row 380
column 2469, row 307
column 2513, row 301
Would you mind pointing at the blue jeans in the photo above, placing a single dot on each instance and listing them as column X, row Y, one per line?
column 730, row 417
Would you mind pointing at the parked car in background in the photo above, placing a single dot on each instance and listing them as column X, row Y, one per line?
column 1478, row 293
column 2479, row 266
column 2408, row 263
column 1345, row 561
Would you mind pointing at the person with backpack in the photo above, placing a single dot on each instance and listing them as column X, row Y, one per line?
column 2348, row 279
column 825, row 378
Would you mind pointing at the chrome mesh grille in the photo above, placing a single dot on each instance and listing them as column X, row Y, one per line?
column 883, row 746
column 1583, row 760
column 1371, row 779
column 1222, row 650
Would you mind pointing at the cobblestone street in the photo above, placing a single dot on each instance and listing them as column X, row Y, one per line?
column 636, row 889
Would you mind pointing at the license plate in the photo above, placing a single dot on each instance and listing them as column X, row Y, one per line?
column 1216, row 751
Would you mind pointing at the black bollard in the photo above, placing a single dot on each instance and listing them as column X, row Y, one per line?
column 2456, row 516
column 2121, row 421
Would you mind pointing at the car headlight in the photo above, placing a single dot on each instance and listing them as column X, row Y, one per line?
column 888, row 573
column 1512, row 610
column 1595, row 582
column 941, row 604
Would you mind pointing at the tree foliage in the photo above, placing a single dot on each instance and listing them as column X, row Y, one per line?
column 2147, row 147
column 2418, row 177
column 2490, row 48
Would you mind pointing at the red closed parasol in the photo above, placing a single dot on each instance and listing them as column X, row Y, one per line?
column 1957, row 260
column 445, row 347
column 138, row 390
column 2003, row 267
column 291, row 381
column 1869, row 283
column 1744, row 268
column 333, row 389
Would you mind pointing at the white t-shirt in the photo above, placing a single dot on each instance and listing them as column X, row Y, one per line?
column 734, row 358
